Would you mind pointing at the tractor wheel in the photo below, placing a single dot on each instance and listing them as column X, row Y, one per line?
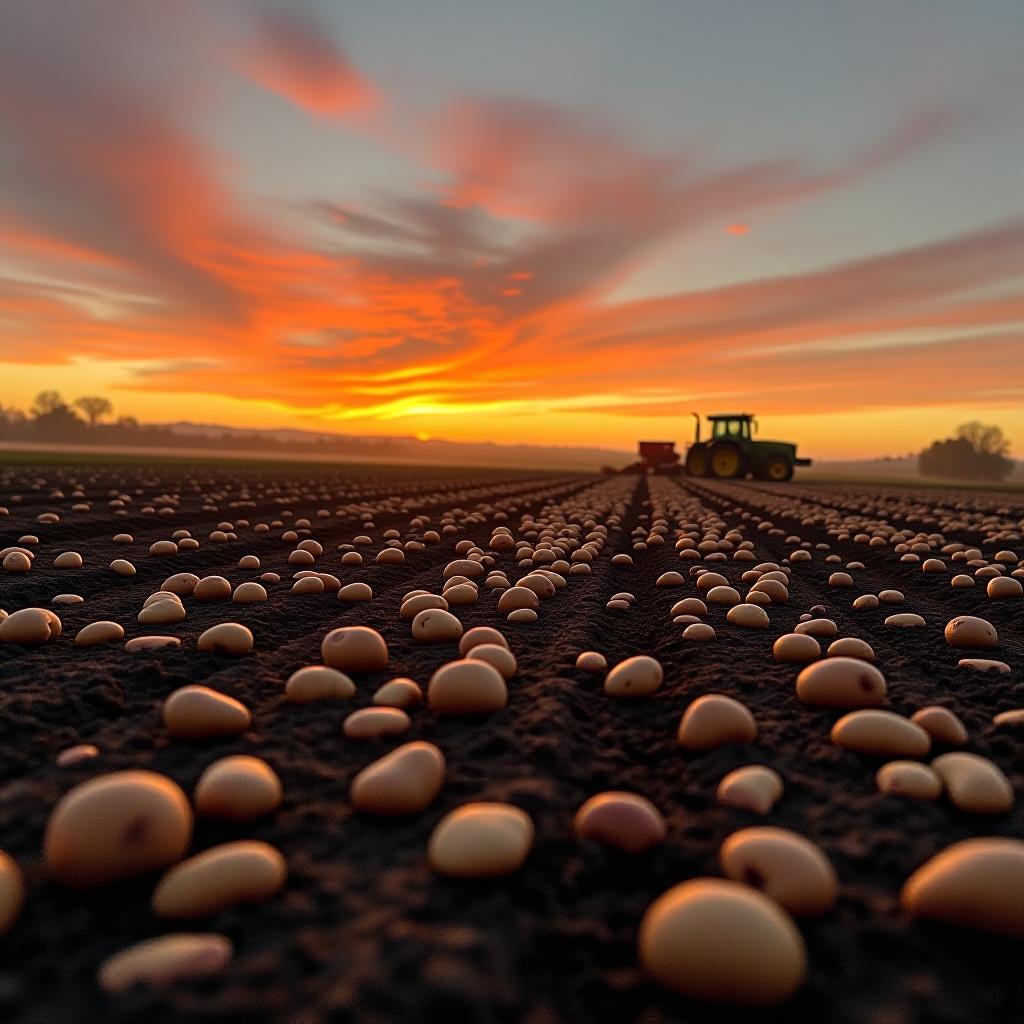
column 725, row 460
column 697, row 461
column 778, row 469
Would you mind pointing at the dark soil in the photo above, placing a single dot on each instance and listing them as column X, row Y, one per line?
column 364, row 931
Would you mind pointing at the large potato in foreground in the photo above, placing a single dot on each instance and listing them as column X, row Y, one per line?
column 722, row 942
column 117, row 826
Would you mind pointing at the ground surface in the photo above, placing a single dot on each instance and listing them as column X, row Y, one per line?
column 364, row 931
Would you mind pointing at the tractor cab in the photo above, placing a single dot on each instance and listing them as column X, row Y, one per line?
column 735, row 425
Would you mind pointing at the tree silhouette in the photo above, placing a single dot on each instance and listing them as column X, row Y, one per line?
column 978, row 452
column 48, row 402
column 989, row 440
column 95, row 408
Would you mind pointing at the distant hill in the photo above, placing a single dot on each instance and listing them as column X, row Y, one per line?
column 901, row 467
column 412, row 449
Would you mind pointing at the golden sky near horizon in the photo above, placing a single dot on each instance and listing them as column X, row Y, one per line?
column 272, row 216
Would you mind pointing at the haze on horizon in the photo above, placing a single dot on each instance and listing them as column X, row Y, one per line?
column 534, row 223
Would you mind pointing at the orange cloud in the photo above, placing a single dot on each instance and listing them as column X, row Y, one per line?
column 295, row 57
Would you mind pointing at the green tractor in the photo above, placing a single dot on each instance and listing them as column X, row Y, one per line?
column 731, row 452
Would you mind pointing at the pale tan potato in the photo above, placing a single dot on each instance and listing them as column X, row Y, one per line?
column 517, row 598
column 973, row 783
column 816, row 627
column 904, row 620
column 626, row 821
column 199, row 713
column 12, row 892
column 1001, row 588
column 970, row 631
column 941, row 724
column 77, row 754
column 592, row 662
column 318, row 682
column 417, row 603
column 222, row 877
column 467, row 687
column 18, row 562
column 181, row 583
column 723, row 595
column 541, row 585
column 881, row 733
column 212, row 588
column 910, row 779
column 463, row 567
column 689, row 606
column 796, row 647
column 722, row 942
column 497, row 655
column 748, row 616
column 715, row 720
column 99, row 633
column 120, row 825
column 481, row 635
column 699, row 631
column 68, row 560
column 250, row 593
column 162, row 613
column 165, row 960
column 237, row 788
column 405, row 781
column 226, row 638
column 753, row 788
column 376, row 722
column 481, row 840
column 841, row 683
column 850, row 647
column 355, row 593
column 434, row 625
column 639, row 676
column 783, row 865
column 975, row 883
column 775, row 590
column 984, row 665
column 523, row 616
column 29, row 626
column 355, row 649
column 398, row 693
column 149, row 643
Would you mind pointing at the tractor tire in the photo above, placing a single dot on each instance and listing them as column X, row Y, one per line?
column 697, row 461
column 778, row 469
column 725, row 460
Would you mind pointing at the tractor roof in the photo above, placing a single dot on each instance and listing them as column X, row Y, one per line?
column 731, row 416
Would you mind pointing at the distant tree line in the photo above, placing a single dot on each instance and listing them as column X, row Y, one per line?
column 54, row 421
column 977, row 452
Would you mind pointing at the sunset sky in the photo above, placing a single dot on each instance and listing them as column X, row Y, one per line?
column 548, row 222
